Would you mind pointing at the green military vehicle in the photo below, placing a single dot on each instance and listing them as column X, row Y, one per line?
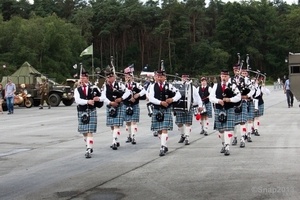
column 28, row 80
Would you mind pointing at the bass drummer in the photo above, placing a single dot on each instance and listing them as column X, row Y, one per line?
column 184, row 119
column 162, row 95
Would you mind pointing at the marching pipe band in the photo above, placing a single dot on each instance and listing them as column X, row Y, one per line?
column 237, row 100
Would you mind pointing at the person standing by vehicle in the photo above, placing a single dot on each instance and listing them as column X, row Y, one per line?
column 288, row 92
column 10, row 89
column 2, row 94
column 44, row 91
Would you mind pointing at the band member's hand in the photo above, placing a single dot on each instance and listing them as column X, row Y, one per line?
column 164, row 104
column 221, row 102
column 284, row 91
column 45, row 94
column 244, row 97
column 136, row 96
column 96, row 98
column 118, row 100
column 91, row 102
column 169, row 100
column 226, row 99
column 200, row 109
column 114, row 104
column 132, row 100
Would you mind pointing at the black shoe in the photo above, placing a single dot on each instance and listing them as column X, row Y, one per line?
column 186, row 141
column 49, row 107
column 155, row 133
column 114, row 146
column 163, row 151
column 256, row 133
column 133, row 141
column 205, row 133
column 249, row 138
column 227, row 153
column 242, row 144
column 234, row 141
column 88, row 153
column 202, row 132
column 222, row 150
column 128, row 140
column 41, row 108
column 118, row 144
column 9, row 113
column 182, row 138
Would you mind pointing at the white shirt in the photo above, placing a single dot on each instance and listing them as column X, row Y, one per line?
column 80, row 101
column 155, row 101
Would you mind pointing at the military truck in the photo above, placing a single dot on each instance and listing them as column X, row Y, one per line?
column 294, row 73
column 30, row 80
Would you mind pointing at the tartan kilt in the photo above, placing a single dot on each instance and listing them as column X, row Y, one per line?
column 229, row 124
column 91, row 127
column 118, row 120
column 250, row 115
column 208, row 109
column 184, row 117
column 242, row 117
column 136, row 114
column 167, row 124
column 260, row 111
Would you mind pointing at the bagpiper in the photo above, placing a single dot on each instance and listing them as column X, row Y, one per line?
column 162, row 94
column 115, row 92
column 131, row 106
column 224, row 95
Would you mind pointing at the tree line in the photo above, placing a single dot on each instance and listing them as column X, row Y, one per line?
column 190, row 36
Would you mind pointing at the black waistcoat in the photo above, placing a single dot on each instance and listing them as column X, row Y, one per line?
column 83, row 96
column 204, row 94
column 162, row 95
column 228, row 93
column 134, row 90
column 114, row 93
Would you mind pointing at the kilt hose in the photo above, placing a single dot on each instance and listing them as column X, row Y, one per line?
column 184, row 117
column 167, row 124
column 118, row 120
column 229, row 124
column 242, row 117
column 208, row 110
column 250, row 115
column 260, row 111
column 136, row 114
column 91, row 127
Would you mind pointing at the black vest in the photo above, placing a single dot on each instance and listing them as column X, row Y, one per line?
column 228, row 93
column 204, row 94
column 91, row 94
column 162, row 95
column 260, row 97
column 134, row 90
column 114, row 93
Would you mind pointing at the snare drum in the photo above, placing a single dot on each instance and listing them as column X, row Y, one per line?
column 184, row 104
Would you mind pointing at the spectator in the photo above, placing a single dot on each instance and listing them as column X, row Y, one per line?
column 2, row 94
column 288, row 92
column 10, row 89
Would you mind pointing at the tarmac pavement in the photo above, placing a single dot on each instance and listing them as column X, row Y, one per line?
column 42, row 157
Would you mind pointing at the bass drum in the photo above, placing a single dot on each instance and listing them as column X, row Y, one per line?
column 186, row 101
